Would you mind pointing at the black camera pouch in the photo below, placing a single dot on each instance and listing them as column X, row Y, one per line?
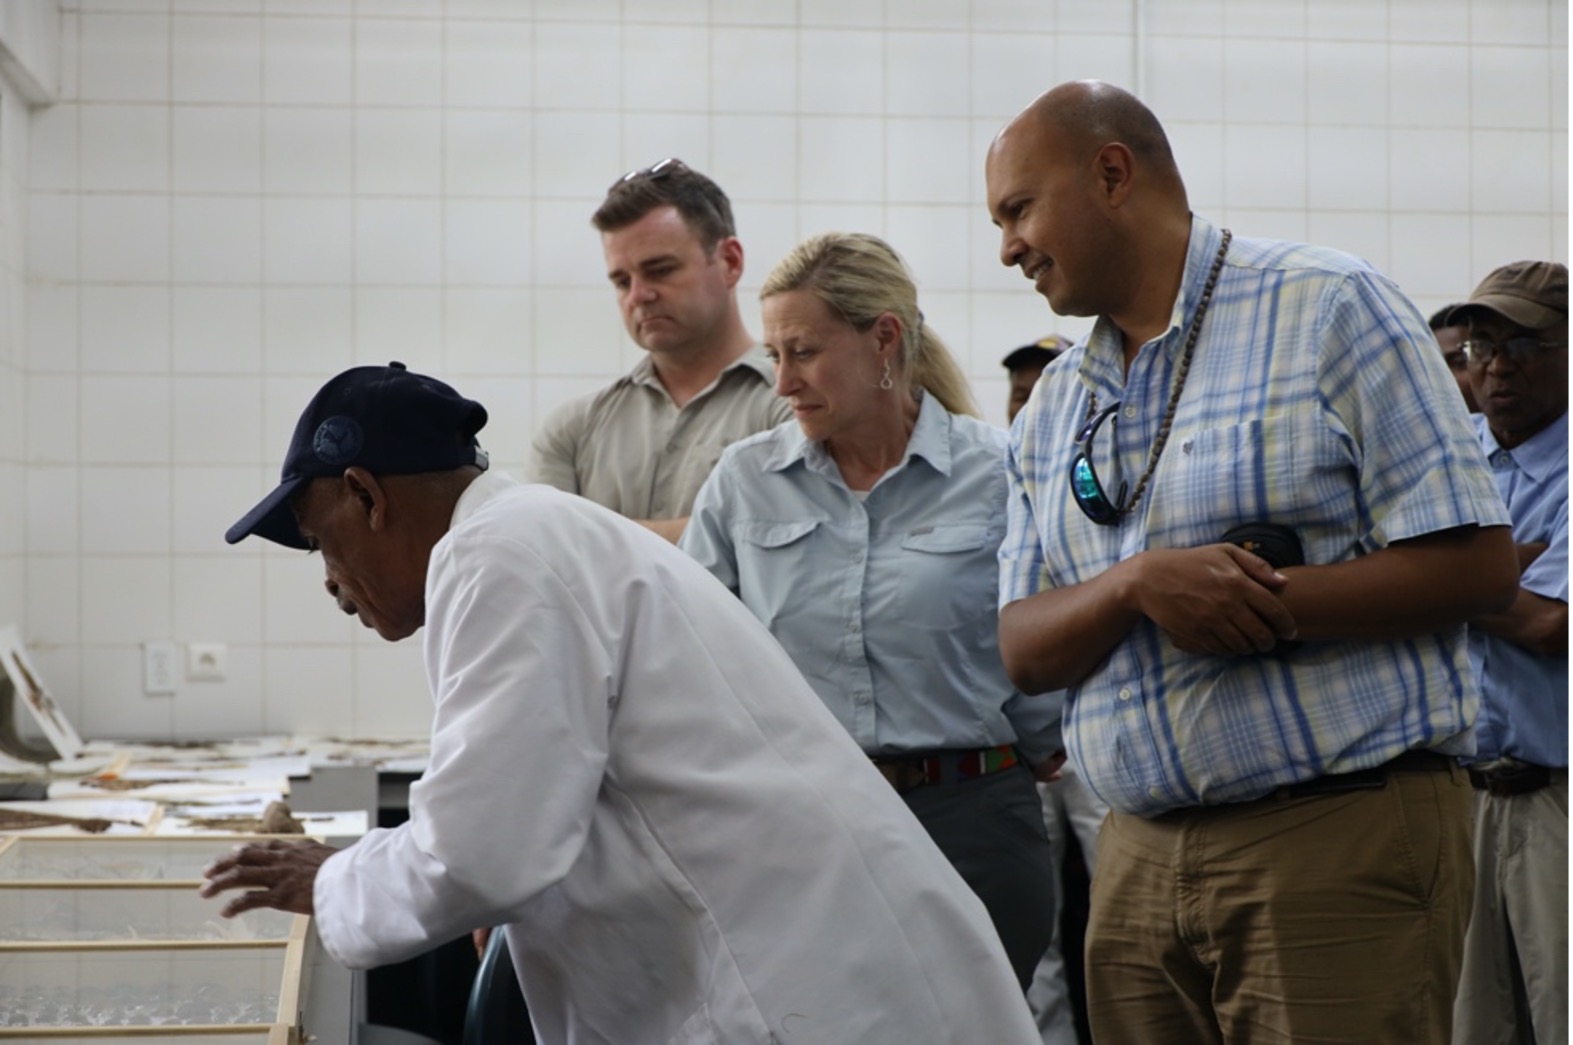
column 1279, row 547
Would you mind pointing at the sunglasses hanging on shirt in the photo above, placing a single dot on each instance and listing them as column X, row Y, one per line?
column 1086, row 488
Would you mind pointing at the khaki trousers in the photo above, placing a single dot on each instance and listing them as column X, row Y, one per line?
column 1332, row 918
column 1515, row 980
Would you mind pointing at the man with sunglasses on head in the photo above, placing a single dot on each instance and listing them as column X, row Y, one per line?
column 1287, row 852
column 643, row 445
column 1514, row 983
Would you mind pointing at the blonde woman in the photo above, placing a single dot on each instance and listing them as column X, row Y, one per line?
column 864, row 534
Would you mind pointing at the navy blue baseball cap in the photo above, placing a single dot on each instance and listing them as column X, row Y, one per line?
column 384, row 419
column 1039, row 353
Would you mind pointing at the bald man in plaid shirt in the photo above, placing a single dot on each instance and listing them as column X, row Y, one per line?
column 1287, row 852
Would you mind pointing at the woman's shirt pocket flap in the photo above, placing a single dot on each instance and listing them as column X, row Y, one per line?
column 777, row 534
column 957, row 537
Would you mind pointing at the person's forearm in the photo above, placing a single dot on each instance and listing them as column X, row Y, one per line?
column 671, row 529
column 1055, row 638
column 1533, row 622
column 1528, row 553
column 1217, row 599
column 1412, row 587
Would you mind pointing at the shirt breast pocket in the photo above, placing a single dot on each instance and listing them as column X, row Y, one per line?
column 1213, row 480
column 949, row 576
column 776, row 568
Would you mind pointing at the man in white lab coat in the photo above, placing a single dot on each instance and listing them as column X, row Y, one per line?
column 627, row 772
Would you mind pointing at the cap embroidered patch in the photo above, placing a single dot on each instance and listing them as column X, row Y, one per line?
column 338, row 440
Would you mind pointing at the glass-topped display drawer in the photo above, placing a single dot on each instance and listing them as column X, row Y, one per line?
column 113, row 859
column 212, row 988
column 92, row 912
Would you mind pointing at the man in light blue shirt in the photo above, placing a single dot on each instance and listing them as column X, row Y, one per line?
column 1514, row 982
column 1267, row 735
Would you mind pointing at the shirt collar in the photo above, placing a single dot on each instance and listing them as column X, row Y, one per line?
column 1537, row 457
column 1103, row 359
column 930, row 440
column 753, row 359
column 482, row 489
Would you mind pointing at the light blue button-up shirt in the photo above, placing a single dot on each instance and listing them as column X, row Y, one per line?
column 886, row 603
column 1316, row 400
column 1524, row 696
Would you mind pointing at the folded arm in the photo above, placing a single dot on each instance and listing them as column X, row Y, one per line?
column 1215, row 599
column 1412, row 587
column 1224, row 601
column 1535, row 621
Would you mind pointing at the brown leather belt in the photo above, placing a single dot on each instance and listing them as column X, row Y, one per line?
column 1365, row 779
column 1508, row 776
column 905, row 772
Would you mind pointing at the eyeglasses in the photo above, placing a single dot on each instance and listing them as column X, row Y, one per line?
column 1481, row 351
column 1086, row 489
column 655, row 172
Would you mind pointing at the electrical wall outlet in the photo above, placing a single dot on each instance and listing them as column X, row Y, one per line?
column 160, row 667
column 205, row 661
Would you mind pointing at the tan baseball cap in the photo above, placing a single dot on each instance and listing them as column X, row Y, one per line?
column 1533, row 294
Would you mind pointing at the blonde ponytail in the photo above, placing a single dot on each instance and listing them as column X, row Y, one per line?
column 934, row 369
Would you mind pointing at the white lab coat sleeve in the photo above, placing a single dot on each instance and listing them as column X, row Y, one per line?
column 522, row 684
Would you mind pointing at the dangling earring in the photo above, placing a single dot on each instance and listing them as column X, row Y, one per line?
column 885, row 382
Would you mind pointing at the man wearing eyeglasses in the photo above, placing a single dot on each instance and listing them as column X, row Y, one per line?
column 643, row 445
column 1450, row 335
column 1514, row 982
column 1287, row 852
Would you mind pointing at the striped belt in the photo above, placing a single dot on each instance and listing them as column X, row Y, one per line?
column 906, row 772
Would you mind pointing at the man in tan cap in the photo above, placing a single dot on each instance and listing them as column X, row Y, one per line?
column 1514, row 982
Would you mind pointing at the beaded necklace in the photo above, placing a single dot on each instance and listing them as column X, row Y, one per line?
column 1179, row 382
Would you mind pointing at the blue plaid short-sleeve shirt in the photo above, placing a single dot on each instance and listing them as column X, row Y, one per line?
column 1316, row 400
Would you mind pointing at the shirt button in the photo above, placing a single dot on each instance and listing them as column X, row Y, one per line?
column 1125, row 694
column 1155, row 792
column 1130, row 413
column 857, row 557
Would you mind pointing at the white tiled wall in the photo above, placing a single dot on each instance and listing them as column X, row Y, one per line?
column 13, row 295
column 233, row 200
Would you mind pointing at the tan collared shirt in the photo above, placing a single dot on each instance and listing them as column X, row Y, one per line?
column 629, row 448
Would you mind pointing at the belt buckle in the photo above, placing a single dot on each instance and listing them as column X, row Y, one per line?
column 1505, row 777
column 902, row 775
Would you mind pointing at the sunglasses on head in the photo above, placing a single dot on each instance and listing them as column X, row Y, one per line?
column 655, row 172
